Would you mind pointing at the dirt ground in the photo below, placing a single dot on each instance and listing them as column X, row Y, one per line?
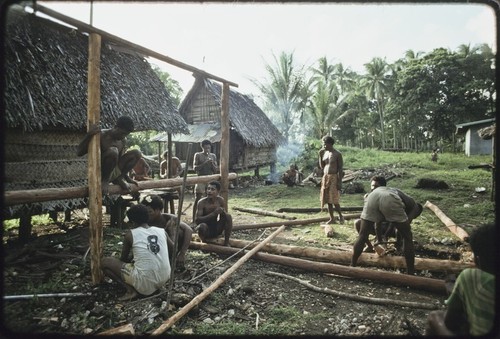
column 57, row 259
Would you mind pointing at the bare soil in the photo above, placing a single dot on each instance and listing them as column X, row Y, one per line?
column 57, row 260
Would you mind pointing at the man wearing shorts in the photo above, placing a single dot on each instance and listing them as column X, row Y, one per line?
column 385, row 204
column 144, row 265
column 204, row 163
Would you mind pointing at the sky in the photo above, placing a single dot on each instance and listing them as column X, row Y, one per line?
column 236, row 40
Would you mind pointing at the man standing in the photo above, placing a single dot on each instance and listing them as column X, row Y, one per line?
column 115, row 162
column 204, row 163
column 386, row 204
column 144, row 264
column 332, row 164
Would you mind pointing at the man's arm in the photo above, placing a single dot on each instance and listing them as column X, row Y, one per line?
column 127, row 246
column 83, row 147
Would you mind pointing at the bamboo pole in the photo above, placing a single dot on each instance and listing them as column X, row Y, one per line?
column 46, row 295
column 94, row 158
column 422, row 283
column 224, row 144
column 176, row 234
column 49, row 194
column 142, row 50
column 200, row 297
column 291, row 222
column 262, row 212
column 344, row 257
column 458, row 231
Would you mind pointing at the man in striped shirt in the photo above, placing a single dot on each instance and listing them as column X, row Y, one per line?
column 471, row 305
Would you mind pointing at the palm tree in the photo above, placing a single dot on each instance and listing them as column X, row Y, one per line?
column 376, row 84
column 284, row 90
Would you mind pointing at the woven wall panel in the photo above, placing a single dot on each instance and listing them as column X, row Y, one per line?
column 49, row 171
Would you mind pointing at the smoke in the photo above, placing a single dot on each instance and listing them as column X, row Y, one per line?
column 285, row 156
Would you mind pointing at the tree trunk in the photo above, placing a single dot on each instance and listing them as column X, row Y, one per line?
column 344, row 257
column 428, row 284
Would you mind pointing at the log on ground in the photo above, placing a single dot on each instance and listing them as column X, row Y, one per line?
column 316, row 209
column 421, row 283
column 291, row 222
column 263, row 212
column 458, row 231
column 344, row 257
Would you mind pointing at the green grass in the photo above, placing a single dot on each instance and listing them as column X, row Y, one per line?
column 460, row 202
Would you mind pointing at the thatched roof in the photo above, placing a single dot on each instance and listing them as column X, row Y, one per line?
column 245, row 117
column 46, row 67
column 488, row 132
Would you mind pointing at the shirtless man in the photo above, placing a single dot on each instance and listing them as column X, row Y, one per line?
column 211, row 218
column 332, row 164
column 204, row 163
column 115, row 162
column 168, row 222
column 175, row 170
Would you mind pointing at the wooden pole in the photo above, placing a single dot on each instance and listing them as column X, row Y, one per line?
column 94, row 158
column 458, row 231
column 49, row 194
column 262, row 212
column 317, row 209
column 344, row 257
column 169, row 160
column 422, row 283
column 291, row 222
column 224, row 144
column 200, row 297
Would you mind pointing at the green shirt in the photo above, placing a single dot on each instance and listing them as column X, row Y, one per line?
column 475, row 290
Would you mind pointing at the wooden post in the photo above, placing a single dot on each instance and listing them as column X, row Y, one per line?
column 224, row 143
column 94, row 158
column 169, row 160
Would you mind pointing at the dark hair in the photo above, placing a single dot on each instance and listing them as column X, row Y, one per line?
column 328, row 140
column 138, row 214
column 380, row 179
column 216, row 184
column 125, row 123
column 165, row 154
column 205, row 142
column 482, row 241
column 153, row 201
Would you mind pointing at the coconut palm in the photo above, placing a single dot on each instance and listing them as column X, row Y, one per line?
column 284, row 90
column 376, row 84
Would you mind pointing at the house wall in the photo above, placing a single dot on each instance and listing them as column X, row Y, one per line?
column 45, row 159
column 204, row 109
column 474, row 145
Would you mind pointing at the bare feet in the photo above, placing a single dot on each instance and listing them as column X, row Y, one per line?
column 131, row 294
column 341, row 220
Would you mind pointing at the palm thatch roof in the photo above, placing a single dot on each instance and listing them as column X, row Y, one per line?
column 245, row 117
column 46, row 80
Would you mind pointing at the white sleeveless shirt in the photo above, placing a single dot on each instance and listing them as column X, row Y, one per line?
column 151, row 261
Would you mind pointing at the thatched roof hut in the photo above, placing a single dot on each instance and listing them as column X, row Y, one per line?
column 253, row 137
column 45, row 118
